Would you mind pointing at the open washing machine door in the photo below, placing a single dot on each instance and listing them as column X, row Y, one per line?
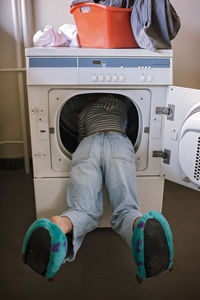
column 182, row 137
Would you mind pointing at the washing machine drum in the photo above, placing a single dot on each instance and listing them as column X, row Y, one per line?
column 189, row 146
column 68, row 128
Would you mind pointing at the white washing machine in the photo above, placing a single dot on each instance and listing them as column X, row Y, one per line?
column 163, row 120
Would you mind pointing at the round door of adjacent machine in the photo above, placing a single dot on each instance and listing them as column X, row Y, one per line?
column 189, row 146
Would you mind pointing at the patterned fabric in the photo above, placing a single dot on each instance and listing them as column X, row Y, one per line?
column 109, row 112
column 74, row 2
column 113, row 3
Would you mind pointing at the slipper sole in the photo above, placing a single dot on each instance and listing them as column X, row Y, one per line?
column 152, row 245
column 44, row 247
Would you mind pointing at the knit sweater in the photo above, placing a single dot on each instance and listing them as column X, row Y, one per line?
column 109, row 112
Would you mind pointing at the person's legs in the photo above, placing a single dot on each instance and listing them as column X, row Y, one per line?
column 120, row 179
column 49, row 243
column 149, row 235
column 84, row 193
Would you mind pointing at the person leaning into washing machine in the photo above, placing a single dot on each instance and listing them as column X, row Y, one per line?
column 104, row 153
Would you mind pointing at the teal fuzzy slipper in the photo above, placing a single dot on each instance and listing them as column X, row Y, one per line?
column 44, row 247
column 152, row 245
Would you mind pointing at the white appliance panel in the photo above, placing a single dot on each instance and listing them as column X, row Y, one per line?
column 101, row 67
column 50, row 196
column 182, row 136
column 51, row 70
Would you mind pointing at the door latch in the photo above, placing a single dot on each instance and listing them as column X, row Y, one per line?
column 165, row 155
column 169, row 111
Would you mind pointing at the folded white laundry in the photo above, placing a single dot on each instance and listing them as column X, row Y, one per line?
column 66, row 36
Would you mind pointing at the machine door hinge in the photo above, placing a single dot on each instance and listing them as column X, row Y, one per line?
column 168, row 111
column 165, row 155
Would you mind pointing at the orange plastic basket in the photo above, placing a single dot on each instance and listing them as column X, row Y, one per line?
column 101, row 26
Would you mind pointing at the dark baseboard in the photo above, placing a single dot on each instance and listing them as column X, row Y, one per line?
column 7, row 164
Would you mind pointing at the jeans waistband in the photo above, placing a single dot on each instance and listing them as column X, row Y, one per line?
column 109, row 132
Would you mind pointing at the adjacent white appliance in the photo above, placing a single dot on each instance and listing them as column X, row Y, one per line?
column 164, row 120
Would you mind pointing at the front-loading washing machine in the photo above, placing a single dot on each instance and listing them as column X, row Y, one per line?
column 163, row 120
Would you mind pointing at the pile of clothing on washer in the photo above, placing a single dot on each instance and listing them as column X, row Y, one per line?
column 154, row 24
column 114, row 3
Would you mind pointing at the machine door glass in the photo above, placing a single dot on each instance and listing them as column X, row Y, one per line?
column 64, row 107
column 181, row 141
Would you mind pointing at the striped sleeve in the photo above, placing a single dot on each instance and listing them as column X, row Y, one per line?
column 82, row 129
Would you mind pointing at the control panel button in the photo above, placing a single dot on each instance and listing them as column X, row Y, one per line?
column 121, row 78
column 94, row 77
column 149, row 78
column 108, row 77
column 101, row 77
column 115, row 77
column 142, row 78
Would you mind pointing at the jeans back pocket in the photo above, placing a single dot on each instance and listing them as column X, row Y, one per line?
column 82, row 152
column 122, row 148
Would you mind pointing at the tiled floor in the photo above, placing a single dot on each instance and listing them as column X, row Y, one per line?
column 104, row 268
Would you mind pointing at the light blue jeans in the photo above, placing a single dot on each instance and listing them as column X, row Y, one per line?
column 102, row 157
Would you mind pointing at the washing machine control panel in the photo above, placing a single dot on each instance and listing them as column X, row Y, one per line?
column 99, row 70
column 124, row 70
